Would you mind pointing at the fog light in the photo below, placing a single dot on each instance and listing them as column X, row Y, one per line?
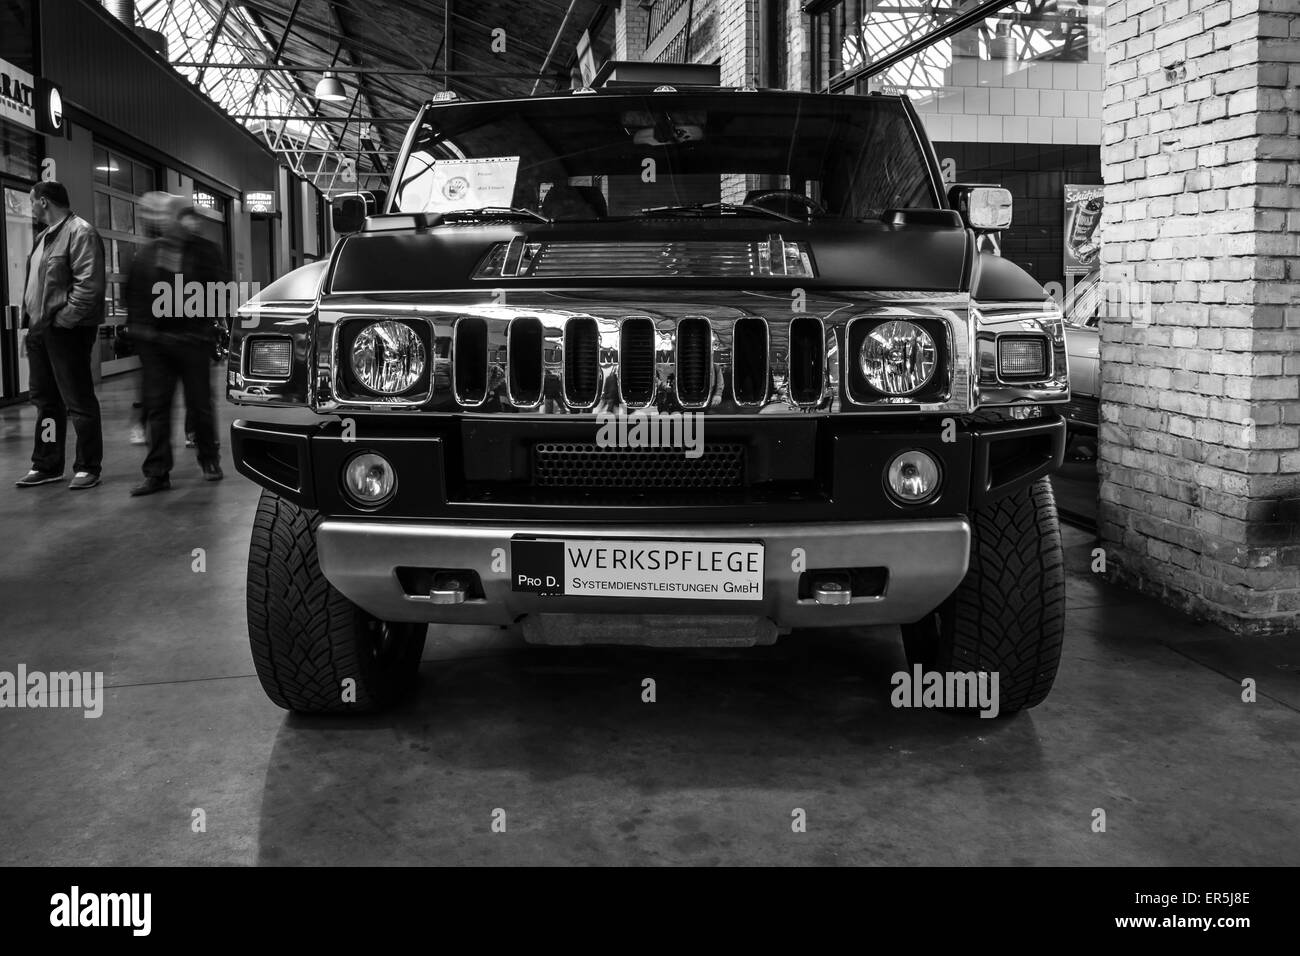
column 369, row 479
column 913, row 477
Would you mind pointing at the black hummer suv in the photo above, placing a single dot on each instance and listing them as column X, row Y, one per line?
column 669, row 366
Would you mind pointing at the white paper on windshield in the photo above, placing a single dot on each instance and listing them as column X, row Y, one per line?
column 468, row 184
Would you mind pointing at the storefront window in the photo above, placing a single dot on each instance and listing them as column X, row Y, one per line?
column 18, row 154
column 120, row 182
column 213, row 209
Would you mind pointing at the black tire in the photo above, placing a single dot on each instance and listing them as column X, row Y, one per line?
column 1008, row 614
column 306, row 637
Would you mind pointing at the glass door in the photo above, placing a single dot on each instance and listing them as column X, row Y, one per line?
column 15, row 244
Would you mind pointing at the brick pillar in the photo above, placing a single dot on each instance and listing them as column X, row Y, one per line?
column 738, row 41
column 631, row 27
column 1200, row 438
column 799, row 40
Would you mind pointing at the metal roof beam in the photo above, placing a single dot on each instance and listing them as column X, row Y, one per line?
column 375, row 70
column 279, row 48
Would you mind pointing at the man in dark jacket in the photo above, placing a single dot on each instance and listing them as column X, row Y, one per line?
column 171, row 285
column 63, row 306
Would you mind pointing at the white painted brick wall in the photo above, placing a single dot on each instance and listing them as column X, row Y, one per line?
column 1200, row 490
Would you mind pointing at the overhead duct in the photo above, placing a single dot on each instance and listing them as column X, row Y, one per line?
column 124, row 12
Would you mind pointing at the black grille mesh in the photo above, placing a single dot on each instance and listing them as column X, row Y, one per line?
column 637, row 360
column 807, row 356
column 587, row 465
column 581, row 361
column 524, row 358
column 693, row 360
column 469, row 357
column 749, row 360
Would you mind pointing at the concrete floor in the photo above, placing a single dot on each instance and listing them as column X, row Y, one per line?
column 1145, row 722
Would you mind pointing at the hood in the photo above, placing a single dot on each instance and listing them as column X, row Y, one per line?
column 683, row 253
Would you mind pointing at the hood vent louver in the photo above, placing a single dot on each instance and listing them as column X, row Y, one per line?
column 773, row 257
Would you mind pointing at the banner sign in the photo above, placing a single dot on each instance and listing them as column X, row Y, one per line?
column 17, row 95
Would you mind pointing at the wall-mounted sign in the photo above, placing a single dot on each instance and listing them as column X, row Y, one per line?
column 30, row 101
column 49, row 108
column 259, row 200
column 17, row 95
column 204, row 200
column 1083, row 205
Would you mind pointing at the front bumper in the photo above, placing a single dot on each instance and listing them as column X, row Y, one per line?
column 923, row 560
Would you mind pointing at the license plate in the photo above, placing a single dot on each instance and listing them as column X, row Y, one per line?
column 708, row 570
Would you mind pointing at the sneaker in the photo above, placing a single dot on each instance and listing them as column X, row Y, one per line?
column 212, row 471
column 34, row 477
column 190, row 439
column 150, row 485
column 83, row 480
column 137, row 435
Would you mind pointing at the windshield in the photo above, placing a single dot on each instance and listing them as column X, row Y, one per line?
column 599, row 156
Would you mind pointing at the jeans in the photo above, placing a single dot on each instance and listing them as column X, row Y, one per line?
column 63, row 387
column 164, row 361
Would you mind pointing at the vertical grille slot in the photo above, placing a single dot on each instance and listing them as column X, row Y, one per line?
column 807, row 360
column 636, row 350
column 694, row 360
column 581, row 362
column 524, row 361
column 469, row 360
column 749, row 368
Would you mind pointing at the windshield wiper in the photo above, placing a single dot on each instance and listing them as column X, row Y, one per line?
column 722, row 207
column 497, row 211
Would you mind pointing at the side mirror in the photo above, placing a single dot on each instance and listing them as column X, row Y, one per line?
column 982, row 208
column 349, row 211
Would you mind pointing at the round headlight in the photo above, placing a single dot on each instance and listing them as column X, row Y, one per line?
column 913, row 477
column 388, row 357
column 898, row 357
column 369, row 479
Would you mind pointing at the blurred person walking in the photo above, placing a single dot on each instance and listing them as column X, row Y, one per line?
column 168, row 319
column 63, row 306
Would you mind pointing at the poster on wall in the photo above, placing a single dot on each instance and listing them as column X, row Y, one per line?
column 1083, row 205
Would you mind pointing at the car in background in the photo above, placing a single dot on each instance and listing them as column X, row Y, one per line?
column 1083, row 310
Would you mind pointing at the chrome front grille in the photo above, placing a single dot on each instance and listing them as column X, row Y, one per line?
column 555, row 353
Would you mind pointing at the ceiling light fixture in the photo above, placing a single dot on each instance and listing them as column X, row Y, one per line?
column 329, row 88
